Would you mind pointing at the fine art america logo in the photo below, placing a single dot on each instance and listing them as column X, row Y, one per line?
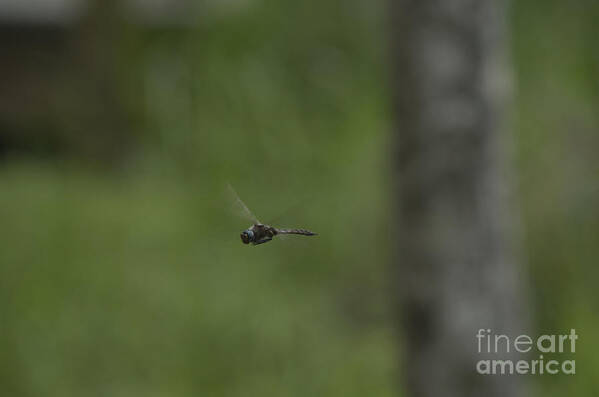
column 498, row 346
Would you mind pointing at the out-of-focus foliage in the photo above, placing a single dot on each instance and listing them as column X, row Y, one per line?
column 131, row 279
column 556, row 136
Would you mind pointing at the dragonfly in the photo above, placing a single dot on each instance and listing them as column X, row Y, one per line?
column 260, row 233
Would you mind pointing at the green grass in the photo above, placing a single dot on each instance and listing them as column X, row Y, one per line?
column 129, row 287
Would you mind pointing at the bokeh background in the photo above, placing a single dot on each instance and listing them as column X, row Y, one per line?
column 121, row 122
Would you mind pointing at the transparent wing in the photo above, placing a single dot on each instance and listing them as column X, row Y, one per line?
column 240, row 207
column 290, row 211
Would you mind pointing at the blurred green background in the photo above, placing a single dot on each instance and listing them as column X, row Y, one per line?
column 121, row 268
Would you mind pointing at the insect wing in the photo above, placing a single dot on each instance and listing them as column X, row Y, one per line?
column 239, row 206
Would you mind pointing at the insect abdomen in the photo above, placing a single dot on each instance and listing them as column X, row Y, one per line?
column 303, row 232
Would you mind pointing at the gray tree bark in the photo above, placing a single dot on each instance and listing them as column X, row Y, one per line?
column 456, row 271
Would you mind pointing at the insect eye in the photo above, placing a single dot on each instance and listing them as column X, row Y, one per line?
column 245, row 238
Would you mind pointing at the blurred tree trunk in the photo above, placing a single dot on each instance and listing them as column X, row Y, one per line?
column 455, row 264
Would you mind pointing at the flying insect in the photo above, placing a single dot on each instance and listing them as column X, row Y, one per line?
column 260, row 233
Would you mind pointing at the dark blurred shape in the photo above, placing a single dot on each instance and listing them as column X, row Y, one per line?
column 72, row 75
column 456, row 268
column 63, row 91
